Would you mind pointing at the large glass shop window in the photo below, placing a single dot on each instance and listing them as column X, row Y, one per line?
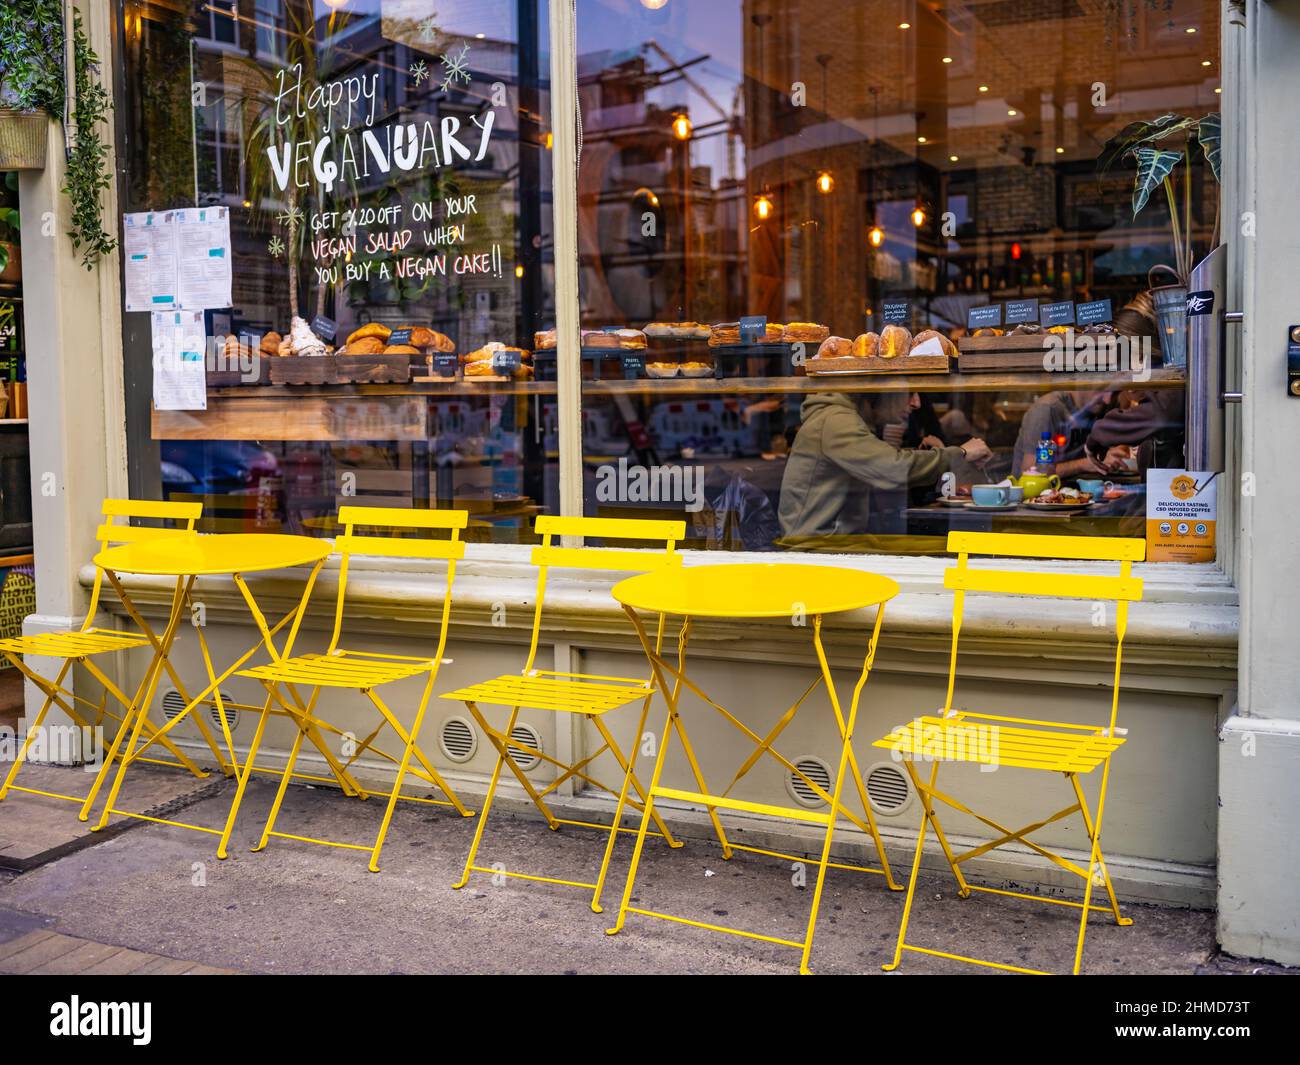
column 854, row 275
column 382, row 168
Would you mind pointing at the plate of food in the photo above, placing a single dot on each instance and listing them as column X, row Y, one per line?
column 1060, row 499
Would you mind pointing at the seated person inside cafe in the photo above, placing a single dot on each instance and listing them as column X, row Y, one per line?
column 1070, row 415
column 1148, row 424
column 841, row 478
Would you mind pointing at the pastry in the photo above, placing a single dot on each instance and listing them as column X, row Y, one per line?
column 949, row 348
column 400, row 349
column 234, row 349
column 677, row 330
column 1027, row 329
column 631, row 339
column 894, row 341
column 866, row 346
column 696, row 369
column 371, row 345
column 544, row 339
column 598, row 338
column 423, row 337
column 804, row 333
column 724, row 334
column 480, row 368
column 774, row 333
column 370, row 329
column 661, row 369
column 1059, row 330
column 1099, row 329
column 270, row 343
column 483, row 354
column 835, row 348
column 988, row 331
column 303, row 341
column 286, row 347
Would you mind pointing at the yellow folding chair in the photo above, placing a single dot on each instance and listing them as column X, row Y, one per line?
column 80, row 646
column 364, row 671
column 1021, row 743
column 590, row 696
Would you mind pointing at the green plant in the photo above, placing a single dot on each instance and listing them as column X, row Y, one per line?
column 31, row 65
column 1156, row 166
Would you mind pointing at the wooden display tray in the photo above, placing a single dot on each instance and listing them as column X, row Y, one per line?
column 1011, row 353
column 341, row 369
column 874, row 364
column 236, row 378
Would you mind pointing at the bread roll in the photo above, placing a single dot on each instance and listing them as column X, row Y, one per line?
column 370, row 345
column 949, row 348
column 988, row 331
column 835, row 348
column 894, row 341
column 423, row 337
column 544, row 339
column 370, row 329
column 401, row 349
column 866, row 346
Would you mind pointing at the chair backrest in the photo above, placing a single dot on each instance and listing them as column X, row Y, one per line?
column 1121, row 590
column 110, row 532
column 548, row 554
column 395, row 520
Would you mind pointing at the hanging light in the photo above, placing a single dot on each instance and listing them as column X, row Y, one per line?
column 682, row 126
column 825, row 181
column 654, row 5
column 875, row 236
column 763, row 207
column 519, row 270
column 918, row 217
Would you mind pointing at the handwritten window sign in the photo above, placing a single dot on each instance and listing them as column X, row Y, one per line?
column 753, row 329
column 897, row 312
column 325, row 328
column 445, row 364
column 1051, row 314
column 989, row 317
column 633, row 367
column 1020, row 311
column 400, row 336
column 1092, row 313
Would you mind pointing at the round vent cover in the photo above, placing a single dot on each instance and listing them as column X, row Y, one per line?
column 888, row 789
column 529, row 737
column 815, row 770
column 458, row 739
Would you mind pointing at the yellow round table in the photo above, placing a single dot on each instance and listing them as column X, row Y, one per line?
column 187, row 558
column 804, row 594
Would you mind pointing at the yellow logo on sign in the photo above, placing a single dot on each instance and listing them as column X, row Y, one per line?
column 1183, row 487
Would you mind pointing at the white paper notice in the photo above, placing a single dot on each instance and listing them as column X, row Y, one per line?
column 179, row 381
column 149, row 250
column 203, row 250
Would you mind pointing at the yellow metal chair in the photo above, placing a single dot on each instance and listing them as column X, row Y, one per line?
column 364, row 671
column 81, row 646
column 590, row 696
column 1021, row 743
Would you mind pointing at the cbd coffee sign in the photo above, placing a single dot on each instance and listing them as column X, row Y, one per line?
column 1182, row 507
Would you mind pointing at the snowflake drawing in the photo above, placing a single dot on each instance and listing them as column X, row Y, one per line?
column 428, row 28
column 419, row 71
column 291, row 217
column 276, row 247
column 455, row 68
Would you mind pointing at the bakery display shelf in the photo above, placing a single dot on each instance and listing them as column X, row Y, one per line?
column 874, row 364
column 991, row 354
column 341, row 369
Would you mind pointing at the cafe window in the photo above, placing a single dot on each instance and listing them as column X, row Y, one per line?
column 850, row 276
column 830, row 251
column 383, row 170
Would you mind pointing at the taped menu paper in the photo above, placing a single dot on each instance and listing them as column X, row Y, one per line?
column 179, row 380
column 203, row 258
column 177, row 260
column 149, row 261
column 1182, row 507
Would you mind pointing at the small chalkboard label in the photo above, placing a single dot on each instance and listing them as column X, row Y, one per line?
column 1020, row 311
column 612, row 328
column 989, row 317
column 445, row 363
column 1092, row 313
column 633, row 367
column 753, row 329
column 897, row 312
column 1199, row 303
column 325, row 328
column 1050, row 314
column 399, row 336
column 505, row 362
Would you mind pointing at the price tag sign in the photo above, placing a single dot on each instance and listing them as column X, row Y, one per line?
column 633, row 367
column 1092, row 313
column 445, row 364
column 1020, row 311
column 989, row 317
column 897, row 312
column 325, row 328
column 1051, row 314
column 399, row 336
column 753, row 329
column 505, row 363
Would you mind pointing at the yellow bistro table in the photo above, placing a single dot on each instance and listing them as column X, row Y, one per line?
column 187, row 559
column 802, row 593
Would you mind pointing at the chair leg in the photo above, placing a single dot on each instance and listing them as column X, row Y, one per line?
column 911, row 883
column 927, row 803
column 241, row 777
column 285, row 777
column 412, row 740
column 1094, row 860
column 1120, row 920
column 502, row 755
column 33, row 731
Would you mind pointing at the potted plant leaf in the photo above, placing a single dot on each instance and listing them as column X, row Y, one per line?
column 1157, row 148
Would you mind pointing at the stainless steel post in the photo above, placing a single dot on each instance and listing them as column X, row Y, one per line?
column 1203, row 448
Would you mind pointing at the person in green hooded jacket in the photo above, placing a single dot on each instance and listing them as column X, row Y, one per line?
column 837, row 463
